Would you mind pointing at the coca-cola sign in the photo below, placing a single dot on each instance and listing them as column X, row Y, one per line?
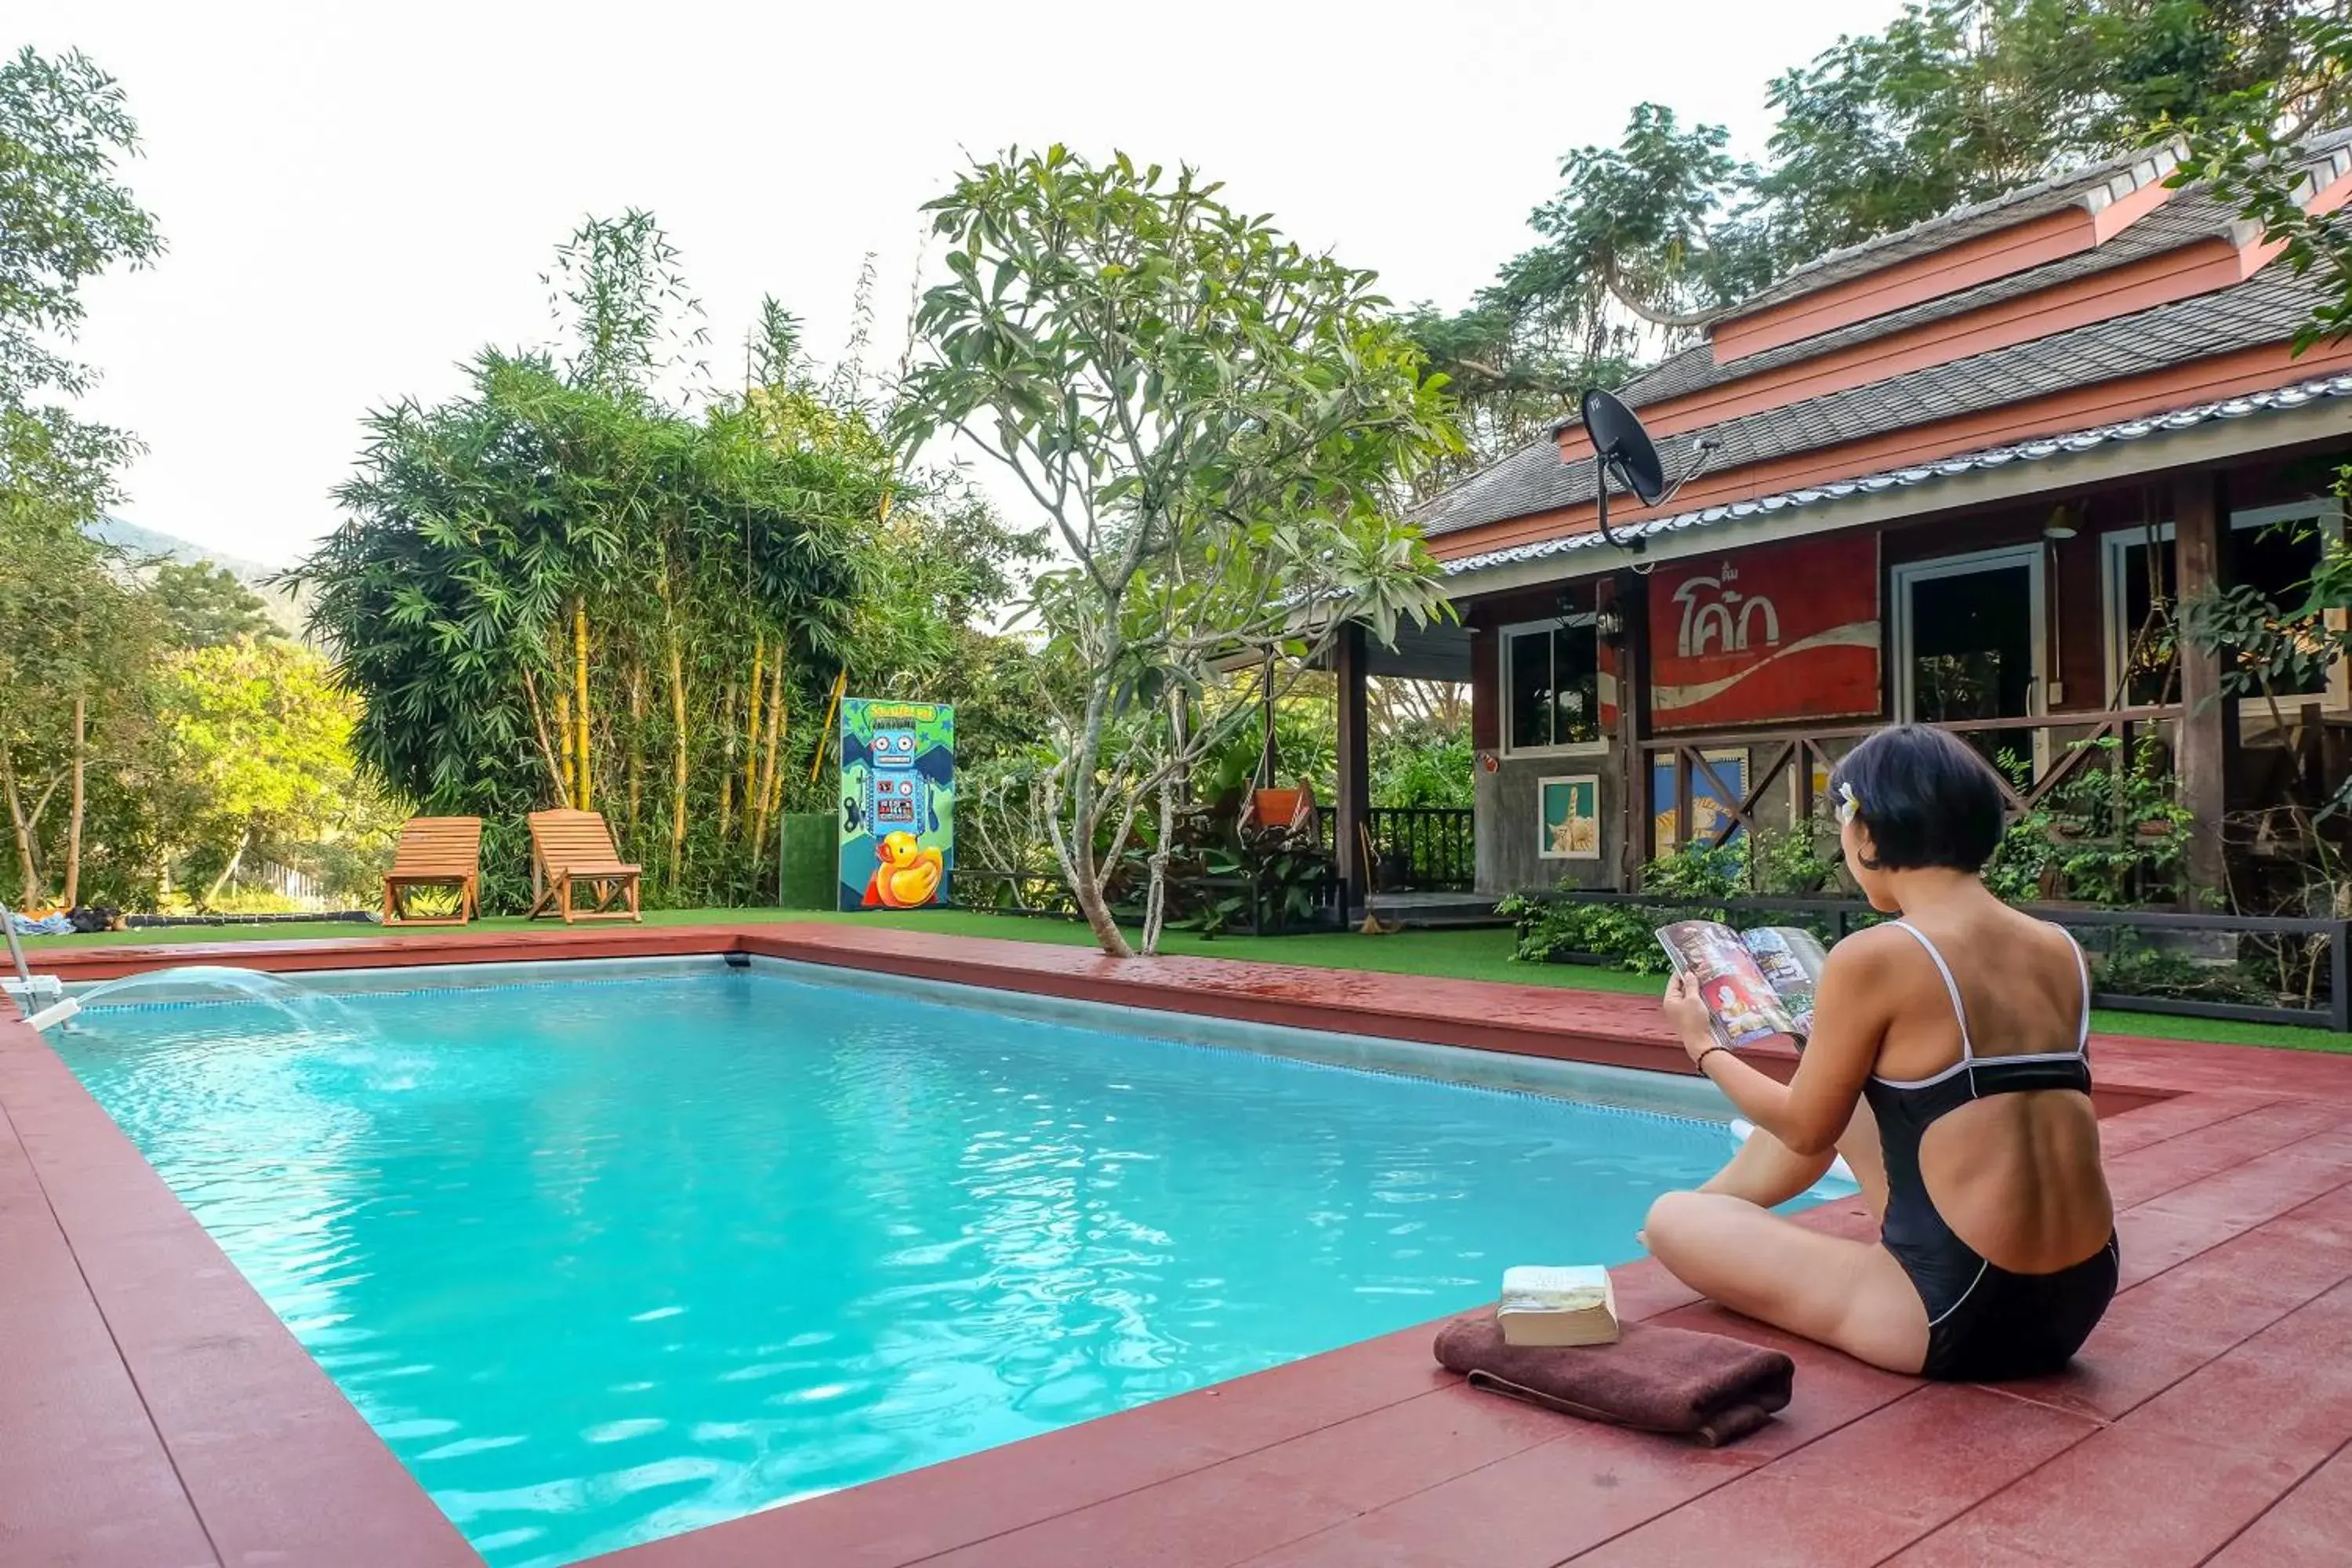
column 1766, row 635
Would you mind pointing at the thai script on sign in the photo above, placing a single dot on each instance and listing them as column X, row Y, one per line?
column 1715, row 612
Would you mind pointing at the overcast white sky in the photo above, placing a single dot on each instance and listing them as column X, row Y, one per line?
column 357, row 197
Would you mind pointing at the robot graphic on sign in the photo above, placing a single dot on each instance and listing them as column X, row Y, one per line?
column 893, row 787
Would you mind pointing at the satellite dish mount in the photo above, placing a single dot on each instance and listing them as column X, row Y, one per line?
column 1622, row 448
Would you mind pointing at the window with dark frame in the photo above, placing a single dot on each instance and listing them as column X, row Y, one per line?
column 2275, row 559
column 1552, row 677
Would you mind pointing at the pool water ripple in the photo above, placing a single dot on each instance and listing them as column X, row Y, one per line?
column 606, row 1262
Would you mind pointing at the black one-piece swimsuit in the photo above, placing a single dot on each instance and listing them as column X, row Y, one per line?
column 1984, row 1323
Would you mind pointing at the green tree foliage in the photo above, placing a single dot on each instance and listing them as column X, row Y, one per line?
column 1955, row 102
column 1216, row 424
column 259, row 736
column 72, row 637
column 560, row 588
column 65, row 217
column 206, row 606
column 2246, row 144
column 1962, row 99
column 483, row 529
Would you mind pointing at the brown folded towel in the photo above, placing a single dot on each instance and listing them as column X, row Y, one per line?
column 1654, row 1379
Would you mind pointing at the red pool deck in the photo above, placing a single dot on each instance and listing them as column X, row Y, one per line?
column 154, row 1414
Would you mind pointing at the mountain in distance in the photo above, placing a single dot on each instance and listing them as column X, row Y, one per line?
column 287, row 609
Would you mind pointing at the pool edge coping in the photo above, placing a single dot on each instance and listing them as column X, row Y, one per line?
column 363, row 1507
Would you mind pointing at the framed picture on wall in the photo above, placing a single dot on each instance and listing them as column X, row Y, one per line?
column 1709, row 810
column 1568, row 810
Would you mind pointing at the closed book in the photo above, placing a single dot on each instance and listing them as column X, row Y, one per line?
column 1558, row 1307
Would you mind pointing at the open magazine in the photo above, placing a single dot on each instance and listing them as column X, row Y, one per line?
column 1757, row 983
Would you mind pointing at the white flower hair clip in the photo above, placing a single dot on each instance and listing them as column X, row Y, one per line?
column 1849, row 804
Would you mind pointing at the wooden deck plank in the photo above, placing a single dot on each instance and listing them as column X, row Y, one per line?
column 2182, row 1475
column 87, row 1478
column 2238, row 1251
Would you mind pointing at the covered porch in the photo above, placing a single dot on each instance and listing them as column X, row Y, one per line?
column 1624, row 705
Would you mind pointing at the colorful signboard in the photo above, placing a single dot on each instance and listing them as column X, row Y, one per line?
column 1776, row 633
column 1570, row 811
column 898, row 803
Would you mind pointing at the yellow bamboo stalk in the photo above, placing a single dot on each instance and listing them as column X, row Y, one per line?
column 637, row 743
column 752, row 729
column 563, row 728
column 727, row 771
column 768, row 770
column 776, row 739
column 831, row 715
column 678, row 758
column 580, row 685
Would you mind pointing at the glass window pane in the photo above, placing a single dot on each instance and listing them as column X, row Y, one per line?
column 1576, row 670
column 1527, row 703
column 2277, row 559
column 1972, row 644
column 2145, row 646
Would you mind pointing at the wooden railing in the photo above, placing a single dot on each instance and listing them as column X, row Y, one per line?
column 1417, row 849
column 2047, row 743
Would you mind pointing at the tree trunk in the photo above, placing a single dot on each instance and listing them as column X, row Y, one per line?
column 1078, row 855
column 1155, row 900
column 580, row 686
column 33, row 895
column 234, row 861
column 73, row 821
column 1155, row 903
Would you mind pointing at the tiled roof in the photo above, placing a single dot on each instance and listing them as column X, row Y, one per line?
column 2265, row 309
column 2091, row 187
column 2184, row 220
column 2036, row 450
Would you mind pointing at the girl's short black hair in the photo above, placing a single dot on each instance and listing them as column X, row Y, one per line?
column 1927, row 796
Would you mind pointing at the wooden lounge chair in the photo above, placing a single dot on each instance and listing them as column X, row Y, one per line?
column 573, row 850
column 435, row 852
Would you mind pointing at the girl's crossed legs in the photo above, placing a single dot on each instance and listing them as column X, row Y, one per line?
column 1725, row 1242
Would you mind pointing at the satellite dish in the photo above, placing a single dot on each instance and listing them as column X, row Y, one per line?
column 1624, row 448
column 1621, row 448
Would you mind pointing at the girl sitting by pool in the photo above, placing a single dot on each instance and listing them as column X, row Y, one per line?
column 1950, row 1065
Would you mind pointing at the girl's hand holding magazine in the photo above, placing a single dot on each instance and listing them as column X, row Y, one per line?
column 1752, row 985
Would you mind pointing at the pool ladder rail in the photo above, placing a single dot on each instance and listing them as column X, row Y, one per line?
column 29, row 991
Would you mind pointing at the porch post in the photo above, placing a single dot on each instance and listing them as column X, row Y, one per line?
column 2209, row 720
column 1632, row 599
column 1354, row 803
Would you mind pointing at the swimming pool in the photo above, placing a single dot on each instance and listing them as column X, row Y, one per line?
column 607, row 1258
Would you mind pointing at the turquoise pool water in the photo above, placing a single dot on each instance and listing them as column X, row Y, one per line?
column 606, row 1260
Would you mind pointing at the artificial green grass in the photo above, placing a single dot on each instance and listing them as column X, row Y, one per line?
column 1473, row 954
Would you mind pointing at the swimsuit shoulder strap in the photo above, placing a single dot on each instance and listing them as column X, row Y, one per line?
column 1952, row 987
column 2082, row 966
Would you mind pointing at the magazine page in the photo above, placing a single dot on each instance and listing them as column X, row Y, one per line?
column 1747, row 1009
column 1791, row 958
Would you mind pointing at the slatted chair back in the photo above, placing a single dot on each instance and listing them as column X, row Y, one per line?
column 565, row 839
column 439, row 847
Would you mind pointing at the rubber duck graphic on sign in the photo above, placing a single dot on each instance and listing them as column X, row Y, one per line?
column 908, row 876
